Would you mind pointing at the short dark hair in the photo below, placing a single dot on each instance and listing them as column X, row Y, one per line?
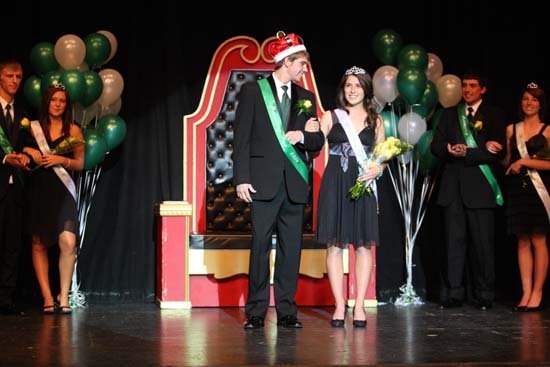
column 476, row 75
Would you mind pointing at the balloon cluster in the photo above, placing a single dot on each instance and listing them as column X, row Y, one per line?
column 94, row 92
column 412, row 80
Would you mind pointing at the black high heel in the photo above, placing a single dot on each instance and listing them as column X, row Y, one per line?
column 359, row 323
column 339, row 323
column 519, row 308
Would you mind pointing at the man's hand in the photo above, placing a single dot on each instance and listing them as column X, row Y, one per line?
column 295, row 136
column 457, row 150
column 243, row 192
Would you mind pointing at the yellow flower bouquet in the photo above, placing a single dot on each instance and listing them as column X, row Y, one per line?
column 65, row 146
column 382, row 152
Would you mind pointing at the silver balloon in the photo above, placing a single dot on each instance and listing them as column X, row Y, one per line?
column 411, row 126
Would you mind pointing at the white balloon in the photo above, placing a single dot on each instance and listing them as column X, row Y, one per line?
column 384, row 84
column 114, row 44
column 449, row 90
column 434, row 71
column 112, row 109
column 83, row 67
column 85, row 115
column 411, row 126
column 113, row 85
column 69, row 51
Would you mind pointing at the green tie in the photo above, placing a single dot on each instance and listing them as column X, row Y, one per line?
column 285, row 106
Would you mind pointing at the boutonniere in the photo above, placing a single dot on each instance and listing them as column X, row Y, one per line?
column 24, row 123
column 477, row 126
column 304, row 106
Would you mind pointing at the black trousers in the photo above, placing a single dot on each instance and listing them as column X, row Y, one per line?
column 470, row 237
column 285, row 218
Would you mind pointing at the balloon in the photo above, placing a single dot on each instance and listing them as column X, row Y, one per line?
column 112, row 40
column 32, row 91
column 70, row 51
column 93, row 87
column 411, row 83
column 96, row 148
column 384, row 83
column 423, row 154
column 411, row 126
column 43, row 58
column 390, row 123
column 386, row 44
column 113, row 129
column 435, row 67
column 74, row 84
column 449, row 90
column 98, row 49
column 112, row 109
column 84, row 115
column 428, row 100
column 51, row 78
column 83, row 67
column 413, row 56
column 113, row 84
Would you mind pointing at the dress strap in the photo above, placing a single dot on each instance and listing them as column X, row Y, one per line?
column 542, row 129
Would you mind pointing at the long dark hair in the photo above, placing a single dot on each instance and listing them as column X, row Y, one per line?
column 44, row 113
column 369, row 103
column 537, row 92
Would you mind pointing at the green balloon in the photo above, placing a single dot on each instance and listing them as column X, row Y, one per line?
column 96, row 148
column 32, row 91
column 386, row 44
column 113, row 129
column 43, row 58
column 411, row 83
column 428, row 100
column 50, row 78
column 390, row 123
column 413, row 56
column 423, row 154
column 98, row 49
column 93, row 87
column 74, row 84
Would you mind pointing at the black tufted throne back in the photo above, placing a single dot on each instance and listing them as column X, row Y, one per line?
column 224, row 211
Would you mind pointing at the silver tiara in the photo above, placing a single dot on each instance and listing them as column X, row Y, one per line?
column 355, row 70
column 532, row 85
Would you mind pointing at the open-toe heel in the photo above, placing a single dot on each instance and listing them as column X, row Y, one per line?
column 49, row 309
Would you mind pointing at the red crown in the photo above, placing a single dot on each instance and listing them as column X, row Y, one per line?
column 285, row 45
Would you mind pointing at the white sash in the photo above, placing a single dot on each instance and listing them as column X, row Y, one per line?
column 45, row 149
column 533, row 174
column 355, row 143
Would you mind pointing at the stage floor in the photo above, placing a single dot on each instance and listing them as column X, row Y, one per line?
column 143, row 335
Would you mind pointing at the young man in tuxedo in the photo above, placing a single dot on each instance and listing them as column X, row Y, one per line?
column 11, row 185
column 470, row 141
column 271, row 173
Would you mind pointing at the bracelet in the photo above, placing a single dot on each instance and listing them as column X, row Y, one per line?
column 381, row 172
column 68, row 163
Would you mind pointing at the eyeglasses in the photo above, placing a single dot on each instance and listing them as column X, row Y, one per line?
column 59, row 86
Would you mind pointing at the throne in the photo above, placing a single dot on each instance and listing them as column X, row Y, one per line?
column 203, row 242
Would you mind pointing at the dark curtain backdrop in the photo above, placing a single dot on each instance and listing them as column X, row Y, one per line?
column 163, row 55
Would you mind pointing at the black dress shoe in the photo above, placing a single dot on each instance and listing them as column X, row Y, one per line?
column 290, row 322
column 360, row 323
column 483, row 305
column 451, row 303
column 254, row 322
column 337, row 323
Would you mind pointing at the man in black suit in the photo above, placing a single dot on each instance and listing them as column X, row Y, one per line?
column 469, row 140
column 271, row 173
column 11, row 185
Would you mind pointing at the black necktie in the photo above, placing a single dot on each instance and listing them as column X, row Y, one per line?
column 285, row 106
column 9, row 120
column 470, row 115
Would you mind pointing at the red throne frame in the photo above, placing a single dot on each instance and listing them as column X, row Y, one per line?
column 218, row 277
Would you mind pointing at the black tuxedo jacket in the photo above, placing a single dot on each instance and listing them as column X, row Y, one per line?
column 13, row 135
column 461, row 177
column 257, row 156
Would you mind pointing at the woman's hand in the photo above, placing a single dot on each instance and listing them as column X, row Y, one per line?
column 49, row 160
column 515, row 168
column 35, row 154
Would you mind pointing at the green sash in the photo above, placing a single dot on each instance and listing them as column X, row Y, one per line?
column 7, row 148
column 467, row 133
column 277, row 124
